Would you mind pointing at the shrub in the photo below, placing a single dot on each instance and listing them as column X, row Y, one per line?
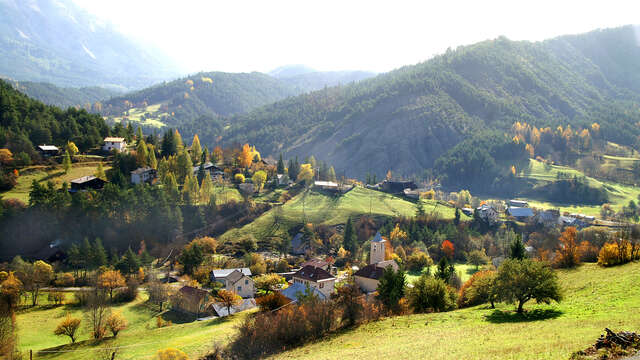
column 116, row 323
column 68, row 327
column 615, row 253
column 588, row 252
column 478, row 289
column 431, row 295
column 65, row 280
column 171, row 354
column 129, row 293
column 272, row 301
column 160, row 322
column 238, row 178
column 418, row 261
column 568, row 255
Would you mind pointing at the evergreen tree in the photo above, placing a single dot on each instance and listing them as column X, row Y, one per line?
column 312, row 160
column 129, row 134
column 142, row 153
column 99, row 257
column 517, row 249
column 444, row 270
column 178, row 140
column 139, row 135
column 171, row 187
column 205, row 153
column 349, row 240
column 456, row 219
column 66, row 162
column 86, row 252
column 130, row 263
column 280, row 168
column 152, row 162
column 185, row 167
column 324, row 171
column 391, row 288
column 168, row 146
column 332, row 174
column 419, row 209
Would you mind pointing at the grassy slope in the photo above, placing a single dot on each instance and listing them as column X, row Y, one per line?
column 135, row 115
column 595, row 298
column 44, row 174
column 142, row 338
column 325, row 209
column 619, row 194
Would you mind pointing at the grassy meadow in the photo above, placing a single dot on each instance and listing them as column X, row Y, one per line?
column 319, row 208
column 44, row 174
column 595, row 298
column 141, row 340
column 136, row 115
column 619, row 194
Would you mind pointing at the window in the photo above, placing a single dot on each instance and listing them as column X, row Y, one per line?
column 239, row 288
column 321, row 285
column 246, row 281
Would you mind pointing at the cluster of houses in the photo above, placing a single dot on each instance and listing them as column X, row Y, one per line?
column 520, row 211
column 315, row 277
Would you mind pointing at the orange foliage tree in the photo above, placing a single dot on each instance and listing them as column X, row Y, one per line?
column 110, row 280
column 245, row 158
column 448, row 249
column 568, row 255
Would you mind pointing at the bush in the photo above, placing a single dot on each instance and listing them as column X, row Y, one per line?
column 129, row 293
column 171, row 354
column 615, row 253
column 116, row 323
column 418, row 261
column 272, row 301
column 431, row 295
column 56, row 297
column 65, row 280
column 160, row 322
column 478, row 289
column 238, row 178
column 588, row 252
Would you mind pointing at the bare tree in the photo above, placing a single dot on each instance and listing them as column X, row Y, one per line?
column 97, row 313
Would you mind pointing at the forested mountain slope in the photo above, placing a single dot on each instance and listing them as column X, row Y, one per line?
column 57, row 42
column 64, row 96
column 406, row 119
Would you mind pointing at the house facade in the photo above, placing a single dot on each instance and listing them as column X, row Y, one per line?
column 237, row 280
column 48, row 150
column 85, row 183
column 143, row 175
column 315, row 278
column 369, row 276
column 114, row 143
column 192, row 301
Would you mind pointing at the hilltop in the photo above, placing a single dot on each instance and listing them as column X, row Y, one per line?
column 406, row 119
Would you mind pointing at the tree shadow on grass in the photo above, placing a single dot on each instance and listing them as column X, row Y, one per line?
column 499, row 317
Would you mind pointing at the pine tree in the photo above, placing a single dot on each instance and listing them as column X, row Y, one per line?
column 66, row 162
column 196, row 150
column 99, row 257
column 139, row 135
column 456, row 219
column 419, row 209
column 130, row 263
column 185, row 166
column 168, row 145
column 517, row 249
column 141, row 153
column 280, row 169
column 332, row 174
column 86, row 253
column 349, row 240
column 171, row 187
column 178, row 140
column 312, row 160
column 152, row 162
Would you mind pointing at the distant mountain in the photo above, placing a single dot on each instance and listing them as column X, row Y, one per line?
column 291, row 70
column 406, row 119
column 199, row 102
column 55, row 41
column 317, row 80
column 50, row 94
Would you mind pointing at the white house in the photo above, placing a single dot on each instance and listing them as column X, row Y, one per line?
column 236, row 280
column 143, row 175
column 111, row 143
column 315, row 278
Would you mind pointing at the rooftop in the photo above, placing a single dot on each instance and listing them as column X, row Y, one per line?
column 48, row 147
column 83, row 179
column 142, row 170
column 223, row 273
column 312, row 273
column 520, row 211
column 193, row 292
column 378, row 238
column 113, row 139
column 371, row 271
column 293, row 290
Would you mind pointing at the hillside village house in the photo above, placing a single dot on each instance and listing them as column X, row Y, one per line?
column 143, row 175
column 369, row 276
column 520, row 213
column 518, row 203
column 85, row 183
column 48, row 150
column 192, row 301
column 216, row 172
column 297, row 289
column 237, row 280
column 315, row 278
column 111, row 143
column 488, row 213
column 397, row 187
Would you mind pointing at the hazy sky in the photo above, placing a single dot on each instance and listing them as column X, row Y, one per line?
column 237, row 36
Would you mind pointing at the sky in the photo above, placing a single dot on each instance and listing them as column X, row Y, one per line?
column 244, row 36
